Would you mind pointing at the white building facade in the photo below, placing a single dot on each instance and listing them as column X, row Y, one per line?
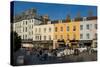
column 88, row 31
column 24, row 28
column 23, row 25
column 44, row 34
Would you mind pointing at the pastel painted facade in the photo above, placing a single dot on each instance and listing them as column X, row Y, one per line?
column 23, row 25
column 24, row 22
column 88, row 27
column 88, row 30
column 24, row 28
column 60, row 31
column 43, row 32
column 44, row 35
column 72, row 33
column 72, row 30
column 67, row 31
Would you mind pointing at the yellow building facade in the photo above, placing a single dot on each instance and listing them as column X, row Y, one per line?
column 73, row 30
column 67, row 31
column 60, row 31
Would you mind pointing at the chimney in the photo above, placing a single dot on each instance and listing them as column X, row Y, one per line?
column 72, row 20
column 60, row 21
column 49, row 22
column 45, row 19
column 84, row 18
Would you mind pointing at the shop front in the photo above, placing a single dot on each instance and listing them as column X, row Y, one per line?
column 27, row 44
column 61, row 43
column 43, row 44
column 85, row 43
column 74, row 43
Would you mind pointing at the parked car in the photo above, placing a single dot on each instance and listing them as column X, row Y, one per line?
column 68, row 52
column 60, row 51
column 60, row 54
column 82, row 49
column 93, row 49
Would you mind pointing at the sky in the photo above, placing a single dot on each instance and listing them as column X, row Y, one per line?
column 54, row 11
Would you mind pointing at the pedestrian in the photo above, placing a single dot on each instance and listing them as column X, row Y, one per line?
column 40, row 52
column 90, row 51
column 45, row 55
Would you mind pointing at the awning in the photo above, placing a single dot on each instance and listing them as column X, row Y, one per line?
column 43, row 42
column 85, row 41
column 61, row 43
column 27, row 45
column 74, row 40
